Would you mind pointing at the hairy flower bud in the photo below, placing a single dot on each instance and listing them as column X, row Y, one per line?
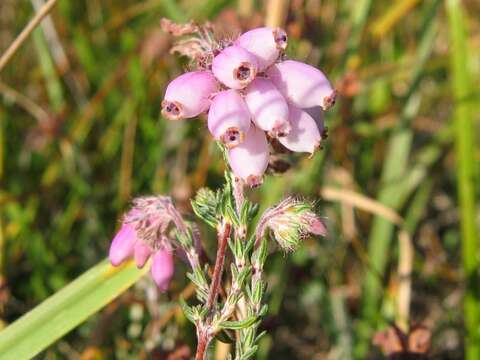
column 304, row 135
column 188, row 95
column 249, row 160
column 268, row 107
column 266, row 43
column 235, row 67
column 122, row 244
column 290, row 221
column 301, row 84
column 229, row 118
column 162, row 269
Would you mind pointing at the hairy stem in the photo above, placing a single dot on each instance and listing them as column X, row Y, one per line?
column 203, row 341
column 238, row 186
column 223, row 236
column 204, row 336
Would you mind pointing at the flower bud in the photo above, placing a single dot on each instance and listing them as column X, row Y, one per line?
column 122, row 244
column 235, row 67
column 265, row 43
column 229, row 118
column 162, row 269
column 268, row 107
column 301, row 84
column 290, row 221
column 304, row 135
column 188, row 95
column 141, row 254
column 249, row 160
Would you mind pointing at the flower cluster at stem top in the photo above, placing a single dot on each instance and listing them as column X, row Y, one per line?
column 253, row 96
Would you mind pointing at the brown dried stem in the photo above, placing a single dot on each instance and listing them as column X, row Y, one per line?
column 15, row 45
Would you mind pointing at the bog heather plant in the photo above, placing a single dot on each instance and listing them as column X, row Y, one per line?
column 256, row 103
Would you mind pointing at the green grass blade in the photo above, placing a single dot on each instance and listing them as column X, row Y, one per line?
column 393, row 178
column 66, row 309
column 465, row 148
column 358, row 18
column 52, row 80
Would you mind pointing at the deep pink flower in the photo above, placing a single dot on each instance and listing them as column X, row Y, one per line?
column 141, row 254
column 122, row 244
column 316, row 226
column 229, row 118
column 266, row 43
column 268, row 107
column 188, row 95
column 162, row 269
column 249, row 160
column 304, row 135
column 144, row 234
column 235, row 67
column 303, row 85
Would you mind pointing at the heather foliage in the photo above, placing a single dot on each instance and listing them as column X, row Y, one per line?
column 89, row 166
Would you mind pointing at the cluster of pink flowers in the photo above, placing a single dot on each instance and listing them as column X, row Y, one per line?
column 144, row 234
column 252, row 96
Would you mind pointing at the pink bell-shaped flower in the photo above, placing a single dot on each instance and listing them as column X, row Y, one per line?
column 317, row 114
column 141, row 253
column 302, row 85
column 162, row 268
column 268, row 107
column 189, row 95
column 304, row 135
column 235, row 67
column 249, row 160
column 229, row 118
column 266, row 43
column 122, row 244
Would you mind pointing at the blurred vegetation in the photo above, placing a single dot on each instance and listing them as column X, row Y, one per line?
column 81, row 133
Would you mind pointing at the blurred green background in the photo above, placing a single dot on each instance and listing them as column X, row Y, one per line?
column 81, row 133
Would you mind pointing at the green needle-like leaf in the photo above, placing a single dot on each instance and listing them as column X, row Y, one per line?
column 237, row 325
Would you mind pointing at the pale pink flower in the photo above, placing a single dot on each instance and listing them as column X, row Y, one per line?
column 266, row 43
column 162, row 269
column 304, row 135
column 235, row 67
column 229, row 118
column 268, row 107
column 302, row 85
column 317, row 114
column 249, row 160
column 189, row 95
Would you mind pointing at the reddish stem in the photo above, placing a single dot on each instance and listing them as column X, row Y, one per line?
column 203, row 342
column 219, row 261
column 203, row 336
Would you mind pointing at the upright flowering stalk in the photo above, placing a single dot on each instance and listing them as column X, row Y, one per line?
column 256, row 101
